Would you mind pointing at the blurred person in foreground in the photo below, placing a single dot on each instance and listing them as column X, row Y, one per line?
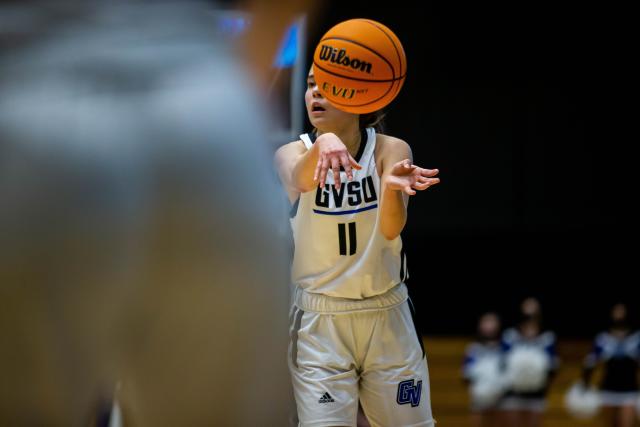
column 483, row 371
column 530, row 364
column 617, row 350
column 131, row 248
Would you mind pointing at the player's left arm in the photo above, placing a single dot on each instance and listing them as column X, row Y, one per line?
column 400, row 179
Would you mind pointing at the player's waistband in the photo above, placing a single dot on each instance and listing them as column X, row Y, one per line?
column 320, row 303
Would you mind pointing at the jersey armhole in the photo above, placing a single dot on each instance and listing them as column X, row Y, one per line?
column 308, row 139
column 294, row 208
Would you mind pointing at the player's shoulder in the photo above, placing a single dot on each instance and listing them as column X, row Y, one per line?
column 289, row 149
column 389, row 145
column 391, row 141
column 293, row 145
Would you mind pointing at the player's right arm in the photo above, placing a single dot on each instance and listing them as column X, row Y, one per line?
column 302, row 170
column 285, row 160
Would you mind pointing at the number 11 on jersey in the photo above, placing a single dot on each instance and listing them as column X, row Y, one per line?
column 342, row 238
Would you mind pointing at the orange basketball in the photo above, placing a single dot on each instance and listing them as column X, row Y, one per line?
column 359, row 66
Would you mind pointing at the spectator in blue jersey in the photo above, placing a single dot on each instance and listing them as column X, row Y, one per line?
column 530, row 363
column 617, row 350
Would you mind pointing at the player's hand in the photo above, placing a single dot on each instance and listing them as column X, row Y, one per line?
column 408, row 177
column 333, row 154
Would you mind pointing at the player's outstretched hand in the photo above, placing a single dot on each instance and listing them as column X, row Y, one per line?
column 333, row 154
column 407, row 177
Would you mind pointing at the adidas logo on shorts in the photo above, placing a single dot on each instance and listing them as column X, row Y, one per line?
column 326, row 398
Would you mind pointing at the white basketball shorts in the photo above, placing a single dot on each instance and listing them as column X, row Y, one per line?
column 373, row 355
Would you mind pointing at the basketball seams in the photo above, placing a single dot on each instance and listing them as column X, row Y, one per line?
column 390, row 39
column 394, row 46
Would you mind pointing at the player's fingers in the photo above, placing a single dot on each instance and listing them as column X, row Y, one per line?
column 346, row 164
column 353, row 162
column 409, row 190
column 408, row 165
column 316, row 173
column 323, row 171
column 335, row 167
column 399, row 168
column 424, row 185
column 430, row 181
column 429, row 172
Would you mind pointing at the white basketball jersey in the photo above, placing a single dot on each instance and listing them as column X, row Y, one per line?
column 339, row 249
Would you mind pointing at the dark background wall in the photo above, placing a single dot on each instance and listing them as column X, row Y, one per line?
column 519, row 106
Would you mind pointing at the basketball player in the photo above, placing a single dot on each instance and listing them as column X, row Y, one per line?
column 353, row 337
column 618, row 349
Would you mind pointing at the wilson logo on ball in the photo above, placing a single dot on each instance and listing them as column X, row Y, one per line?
column 339, row 56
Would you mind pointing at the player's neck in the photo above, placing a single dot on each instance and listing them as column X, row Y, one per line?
column 349, row 135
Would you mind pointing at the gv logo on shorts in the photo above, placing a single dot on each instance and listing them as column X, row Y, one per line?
column 409, row 393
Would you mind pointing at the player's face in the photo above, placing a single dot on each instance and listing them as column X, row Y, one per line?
column 323, row 115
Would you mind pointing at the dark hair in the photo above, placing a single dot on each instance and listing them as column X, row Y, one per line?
column 374, row 120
